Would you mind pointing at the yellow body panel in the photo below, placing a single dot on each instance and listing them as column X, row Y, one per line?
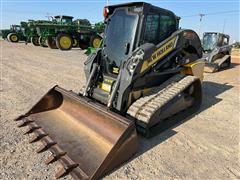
column 159, row 53
column 115, row 70
column 195, row 68
column 108, row 81
column 105, row 85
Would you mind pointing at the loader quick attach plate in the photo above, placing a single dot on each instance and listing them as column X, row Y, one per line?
column 83, row 135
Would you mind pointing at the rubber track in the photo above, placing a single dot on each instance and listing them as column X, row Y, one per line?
column 144, row 108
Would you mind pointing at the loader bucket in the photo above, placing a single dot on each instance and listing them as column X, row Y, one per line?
column 84, row 136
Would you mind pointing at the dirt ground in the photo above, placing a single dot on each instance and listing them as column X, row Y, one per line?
column 205, row 146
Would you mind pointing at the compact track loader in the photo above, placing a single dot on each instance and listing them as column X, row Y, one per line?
column 217, row 51
column 146, row 71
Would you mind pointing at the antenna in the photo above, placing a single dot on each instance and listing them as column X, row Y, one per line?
column 107, row 2
column 224, row 24
column 200, row 23
column 201, row 16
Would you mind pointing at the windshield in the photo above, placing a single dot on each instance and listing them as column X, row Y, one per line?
column 63, row 20
column 66, row 20
column 16, row 28
column 58, row 20
column 119, row 37
column 209, row 42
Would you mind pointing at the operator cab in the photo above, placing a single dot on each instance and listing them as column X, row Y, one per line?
column 16, row 28
column 82, row 22
column 23, row 26
column 211, row 40
column 63, row 19
column 131, row 25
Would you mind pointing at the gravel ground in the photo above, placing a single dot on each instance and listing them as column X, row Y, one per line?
column 205, row 146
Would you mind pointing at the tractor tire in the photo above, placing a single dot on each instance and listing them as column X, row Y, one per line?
column 51, row 43
column 34, row 41
column 95, row 41
column 42, row 42
column 13, row 37
column 75, row 43
column 64, row 41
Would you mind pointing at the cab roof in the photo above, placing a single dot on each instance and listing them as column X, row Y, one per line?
column 63, row 16
column 143, row 4
column 216, row 33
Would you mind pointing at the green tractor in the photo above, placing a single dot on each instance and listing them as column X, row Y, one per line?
column 4, row 33
column 31, row 31
column 89, row 35
column 14, row 34
column 24, row 29
column 98, row 27
column 64, row 33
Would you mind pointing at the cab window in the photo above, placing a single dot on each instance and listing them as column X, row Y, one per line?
column 225, row 41
column 17, row 28
column 220, row 41
column 167, row 26
column 158, row 27
column 151, row 29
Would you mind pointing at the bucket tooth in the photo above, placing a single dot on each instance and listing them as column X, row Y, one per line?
column 47, row 142
column 63, row 172
column 52, row 158
column 67, row 166
column 25, row 122
column 38, row 135
column 57, row 153
column 32, row 127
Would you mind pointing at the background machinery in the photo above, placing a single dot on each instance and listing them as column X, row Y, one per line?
column 14, row 34
column 64, row 33
column 30, row 31
column 146, row 71
column 217, row 51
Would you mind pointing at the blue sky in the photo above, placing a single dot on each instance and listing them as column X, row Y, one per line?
column 14, row 11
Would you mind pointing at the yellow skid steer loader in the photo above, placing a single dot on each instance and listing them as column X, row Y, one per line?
column 146, row 71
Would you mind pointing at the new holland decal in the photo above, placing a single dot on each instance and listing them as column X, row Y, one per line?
column 159, row 53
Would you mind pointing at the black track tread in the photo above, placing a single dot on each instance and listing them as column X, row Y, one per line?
column 144, row 108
